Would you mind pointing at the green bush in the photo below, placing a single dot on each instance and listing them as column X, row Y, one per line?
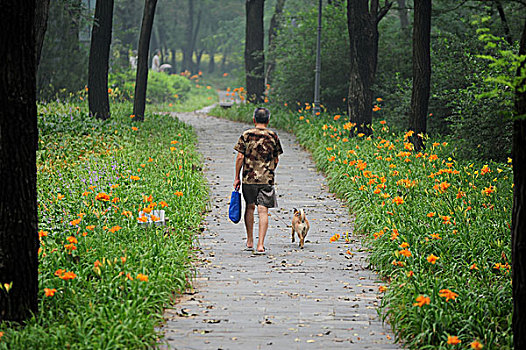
column 162, row 87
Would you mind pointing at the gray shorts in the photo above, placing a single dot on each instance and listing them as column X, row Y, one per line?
column 264, row 195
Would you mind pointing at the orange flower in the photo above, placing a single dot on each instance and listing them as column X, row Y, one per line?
column 42, row 234
column 476, row 345
column 404, row 245
column 421, row 301
column 142, row 219
column 430, row 215
column 382, row 122
column 473, row 267
column 405, row 252
column 97, row 263
column 70, row 247
column 432, row 258
column 485, row 169
column 115, row 229
column 382, row 289
column 488, row 190
column 49, row 292
column 446, row 293
column 141, row 277
column 123, row 259
column 59, row 272
column 103, row 197
column 178, row 193
column 72, row 239
column 453, row 340
column 435, row 236
column 75, row 222
column 90, row 227
column 134, row 128
column 336, row 117
column 398, row 200
column 133, row 177
column 68, row 276
column 394, row 235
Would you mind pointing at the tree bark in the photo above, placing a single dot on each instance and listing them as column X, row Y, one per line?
column 41, row 15
column 98, row 100
column 141, row 80
column 18, row 145
column 254, row 54
column 212, row 62
column 518, row 216
column 188, row 48
column 504, row 21
column 421, row 72
column 362, row 23
column 272, row 33
column 404, row 18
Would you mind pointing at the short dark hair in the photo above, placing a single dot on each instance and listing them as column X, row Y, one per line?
column 261, row 115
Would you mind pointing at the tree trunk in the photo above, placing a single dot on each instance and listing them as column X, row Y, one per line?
column 223, row 60
column 272, row 33
column 187, row 48
column 254, row 55
column 198, row 56
column 174, row 61
column 362, row 23
column 18, row 179
column 504, row 21
column 421, row 72
column 41, row 15
column 518, row 216
column 141, row 81
column 211, row 63
column 99, row 104
column 402, row 14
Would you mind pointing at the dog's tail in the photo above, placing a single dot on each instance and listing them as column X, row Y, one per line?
column 302, row 215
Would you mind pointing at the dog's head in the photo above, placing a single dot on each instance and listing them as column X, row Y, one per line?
column 299, row 213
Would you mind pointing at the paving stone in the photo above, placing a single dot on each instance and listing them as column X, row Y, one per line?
column 290, row 298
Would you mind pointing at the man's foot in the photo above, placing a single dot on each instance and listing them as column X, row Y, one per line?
column 260, row 251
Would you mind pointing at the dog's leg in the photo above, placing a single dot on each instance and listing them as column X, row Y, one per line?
column 302, row 237
column 293, row 234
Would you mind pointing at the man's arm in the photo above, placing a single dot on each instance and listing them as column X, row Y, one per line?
column 239, row 165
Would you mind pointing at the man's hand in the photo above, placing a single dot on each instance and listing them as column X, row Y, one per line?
column 237, row 184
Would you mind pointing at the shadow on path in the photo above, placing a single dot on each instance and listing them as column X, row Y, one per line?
column 318, row 297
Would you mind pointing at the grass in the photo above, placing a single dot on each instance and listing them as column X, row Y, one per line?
column 104, row 277
column 437, row 228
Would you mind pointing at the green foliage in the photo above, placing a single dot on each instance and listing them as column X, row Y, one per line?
column 162, row 88
column 108, row 303
column 420, row 204
column 293, row 79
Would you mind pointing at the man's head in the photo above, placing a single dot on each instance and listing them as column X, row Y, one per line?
column 261, row 115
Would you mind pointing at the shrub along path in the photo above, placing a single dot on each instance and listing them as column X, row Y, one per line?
column 323, row 296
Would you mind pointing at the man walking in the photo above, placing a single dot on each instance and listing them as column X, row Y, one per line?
column 258, row 152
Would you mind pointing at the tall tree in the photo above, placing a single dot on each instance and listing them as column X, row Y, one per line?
column 188, row 48
column 362, row 23
column 272, row 33
column 18, row 179
column 254, row 54
column 421, row 72
column 99, row 104
column 141, row 80
column 41, row 14
column 518, row 216
column 402, row 14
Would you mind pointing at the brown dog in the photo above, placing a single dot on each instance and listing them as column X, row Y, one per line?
column 300, row 225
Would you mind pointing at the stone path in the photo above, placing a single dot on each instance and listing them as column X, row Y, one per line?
column 318, row 297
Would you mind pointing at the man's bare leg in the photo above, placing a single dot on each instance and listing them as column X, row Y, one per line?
column 249, row 224
column 263, row 226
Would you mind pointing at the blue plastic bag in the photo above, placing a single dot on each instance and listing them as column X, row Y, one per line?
column 234, row 210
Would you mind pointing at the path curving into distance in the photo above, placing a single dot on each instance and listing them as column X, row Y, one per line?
column 315, row 298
